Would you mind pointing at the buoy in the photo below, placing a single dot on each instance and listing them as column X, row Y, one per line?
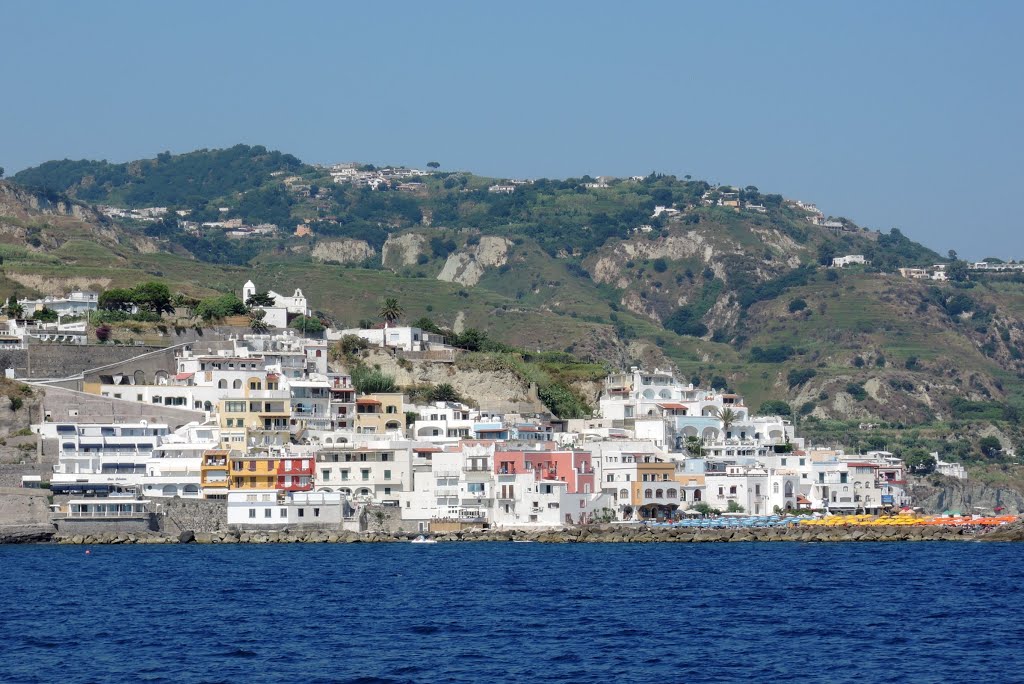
column 88, row 552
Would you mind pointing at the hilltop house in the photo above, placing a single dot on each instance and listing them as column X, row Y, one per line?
column 277, row 315
column 843, row 261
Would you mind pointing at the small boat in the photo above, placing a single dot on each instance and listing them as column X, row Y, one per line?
column 423, row 540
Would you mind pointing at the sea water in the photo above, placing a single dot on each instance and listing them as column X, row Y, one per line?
column 504, row 612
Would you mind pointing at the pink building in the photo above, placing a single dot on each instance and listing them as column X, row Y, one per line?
column 575, row 468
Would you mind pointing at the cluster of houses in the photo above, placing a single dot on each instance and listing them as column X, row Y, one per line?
column 355, row 174
column 284, row 440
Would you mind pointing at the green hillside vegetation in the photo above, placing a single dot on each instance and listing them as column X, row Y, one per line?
column 731, row 297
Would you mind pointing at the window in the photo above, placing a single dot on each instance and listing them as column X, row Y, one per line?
column 344, row 473
column 623, row 493
column 267, row 512
column 284, row 513
column 648, row 494
column 365, row 472
column 775, row 488
column 387, row 491
column 757, row 490
column 732, row 490
column 609, row 478
column 252, row 512
column 325, row 473
column 387, row 474
column 671, row 493
column 316, row 512
column 659, row 494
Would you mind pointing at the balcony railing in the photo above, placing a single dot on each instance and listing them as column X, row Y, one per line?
column 476, row 469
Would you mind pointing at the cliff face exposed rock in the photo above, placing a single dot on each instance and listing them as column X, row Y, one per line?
column 936, row 494
column 467, row 267
column 343, row 251
column 402, row 250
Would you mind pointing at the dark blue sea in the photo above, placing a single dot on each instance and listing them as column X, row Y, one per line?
column 504, row 612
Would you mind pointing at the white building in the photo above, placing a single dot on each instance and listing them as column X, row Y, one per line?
column 757, row 489
column 260, row 508
column 277, row 315
column 843, row 261
column 75, row 304
column 174, row 469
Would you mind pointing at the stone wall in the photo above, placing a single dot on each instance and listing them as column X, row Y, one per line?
column 40, row 361
column 98, row 527
column 62, row 403
column 198, row 515
column 24, row 506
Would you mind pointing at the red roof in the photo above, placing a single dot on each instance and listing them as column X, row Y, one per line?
column 366, row 400
column 673, row 406
column 862, row 465
column 183, row 376
column 800, row 498
column 426, row 450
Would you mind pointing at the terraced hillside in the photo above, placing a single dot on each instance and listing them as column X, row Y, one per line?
column 732, row 295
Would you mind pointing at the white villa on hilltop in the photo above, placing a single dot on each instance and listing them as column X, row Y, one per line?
column 277, row 315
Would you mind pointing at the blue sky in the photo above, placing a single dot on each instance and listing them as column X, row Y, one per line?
column 893, row 114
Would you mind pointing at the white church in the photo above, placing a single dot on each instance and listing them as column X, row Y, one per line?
column 277, row 315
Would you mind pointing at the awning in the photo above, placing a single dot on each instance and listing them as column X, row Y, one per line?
column 58, row 487
column 801, row 499
column 673, row 406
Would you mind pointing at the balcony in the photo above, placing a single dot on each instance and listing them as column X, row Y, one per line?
column 476, row 469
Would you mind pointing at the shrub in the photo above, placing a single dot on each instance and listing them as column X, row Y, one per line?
column 797, row 305
column 774, row 407
column 856, row 391
column 776, row 354
column 372, row 381
column 660, row 265
column 799, row 376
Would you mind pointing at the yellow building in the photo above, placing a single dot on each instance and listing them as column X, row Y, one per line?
column 656, row 490
column 255, row 470
column 380, row 413
column 213, row 471
column 259, row 420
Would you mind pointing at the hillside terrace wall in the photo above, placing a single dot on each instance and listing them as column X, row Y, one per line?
column 61, row 405
column 42, row 361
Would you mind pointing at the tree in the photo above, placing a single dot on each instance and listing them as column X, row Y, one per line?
column 444, row 392
column 694, row 446
column 390, row 311
column 797, row 304
column 727, row 416
column 990, row 446
column 774, row 407
column 45, row 315
column 260, row 299
column 186, row 302
column 103, row 333
column 1, row 172
column 154, row 297
column 734, row 507
column 13, row 308
column 919, row 461
column 433, row 165
column 116, row 299
column 957, row 271
column 256, row 322
column 307, row 325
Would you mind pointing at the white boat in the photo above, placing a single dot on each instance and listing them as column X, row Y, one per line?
column 423, row 540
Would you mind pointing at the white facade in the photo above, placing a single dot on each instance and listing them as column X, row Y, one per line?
column 260, row 508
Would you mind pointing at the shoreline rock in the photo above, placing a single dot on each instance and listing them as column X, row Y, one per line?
column 600, row 534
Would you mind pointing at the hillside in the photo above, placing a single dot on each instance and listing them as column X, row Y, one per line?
column 728, row 285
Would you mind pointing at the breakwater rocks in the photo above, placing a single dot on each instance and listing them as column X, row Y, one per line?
column 591, row 534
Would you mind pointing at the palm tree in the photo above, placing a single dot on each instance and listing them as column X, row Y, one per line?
column 390, row 311
column 256, row 322
column 727, row 416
